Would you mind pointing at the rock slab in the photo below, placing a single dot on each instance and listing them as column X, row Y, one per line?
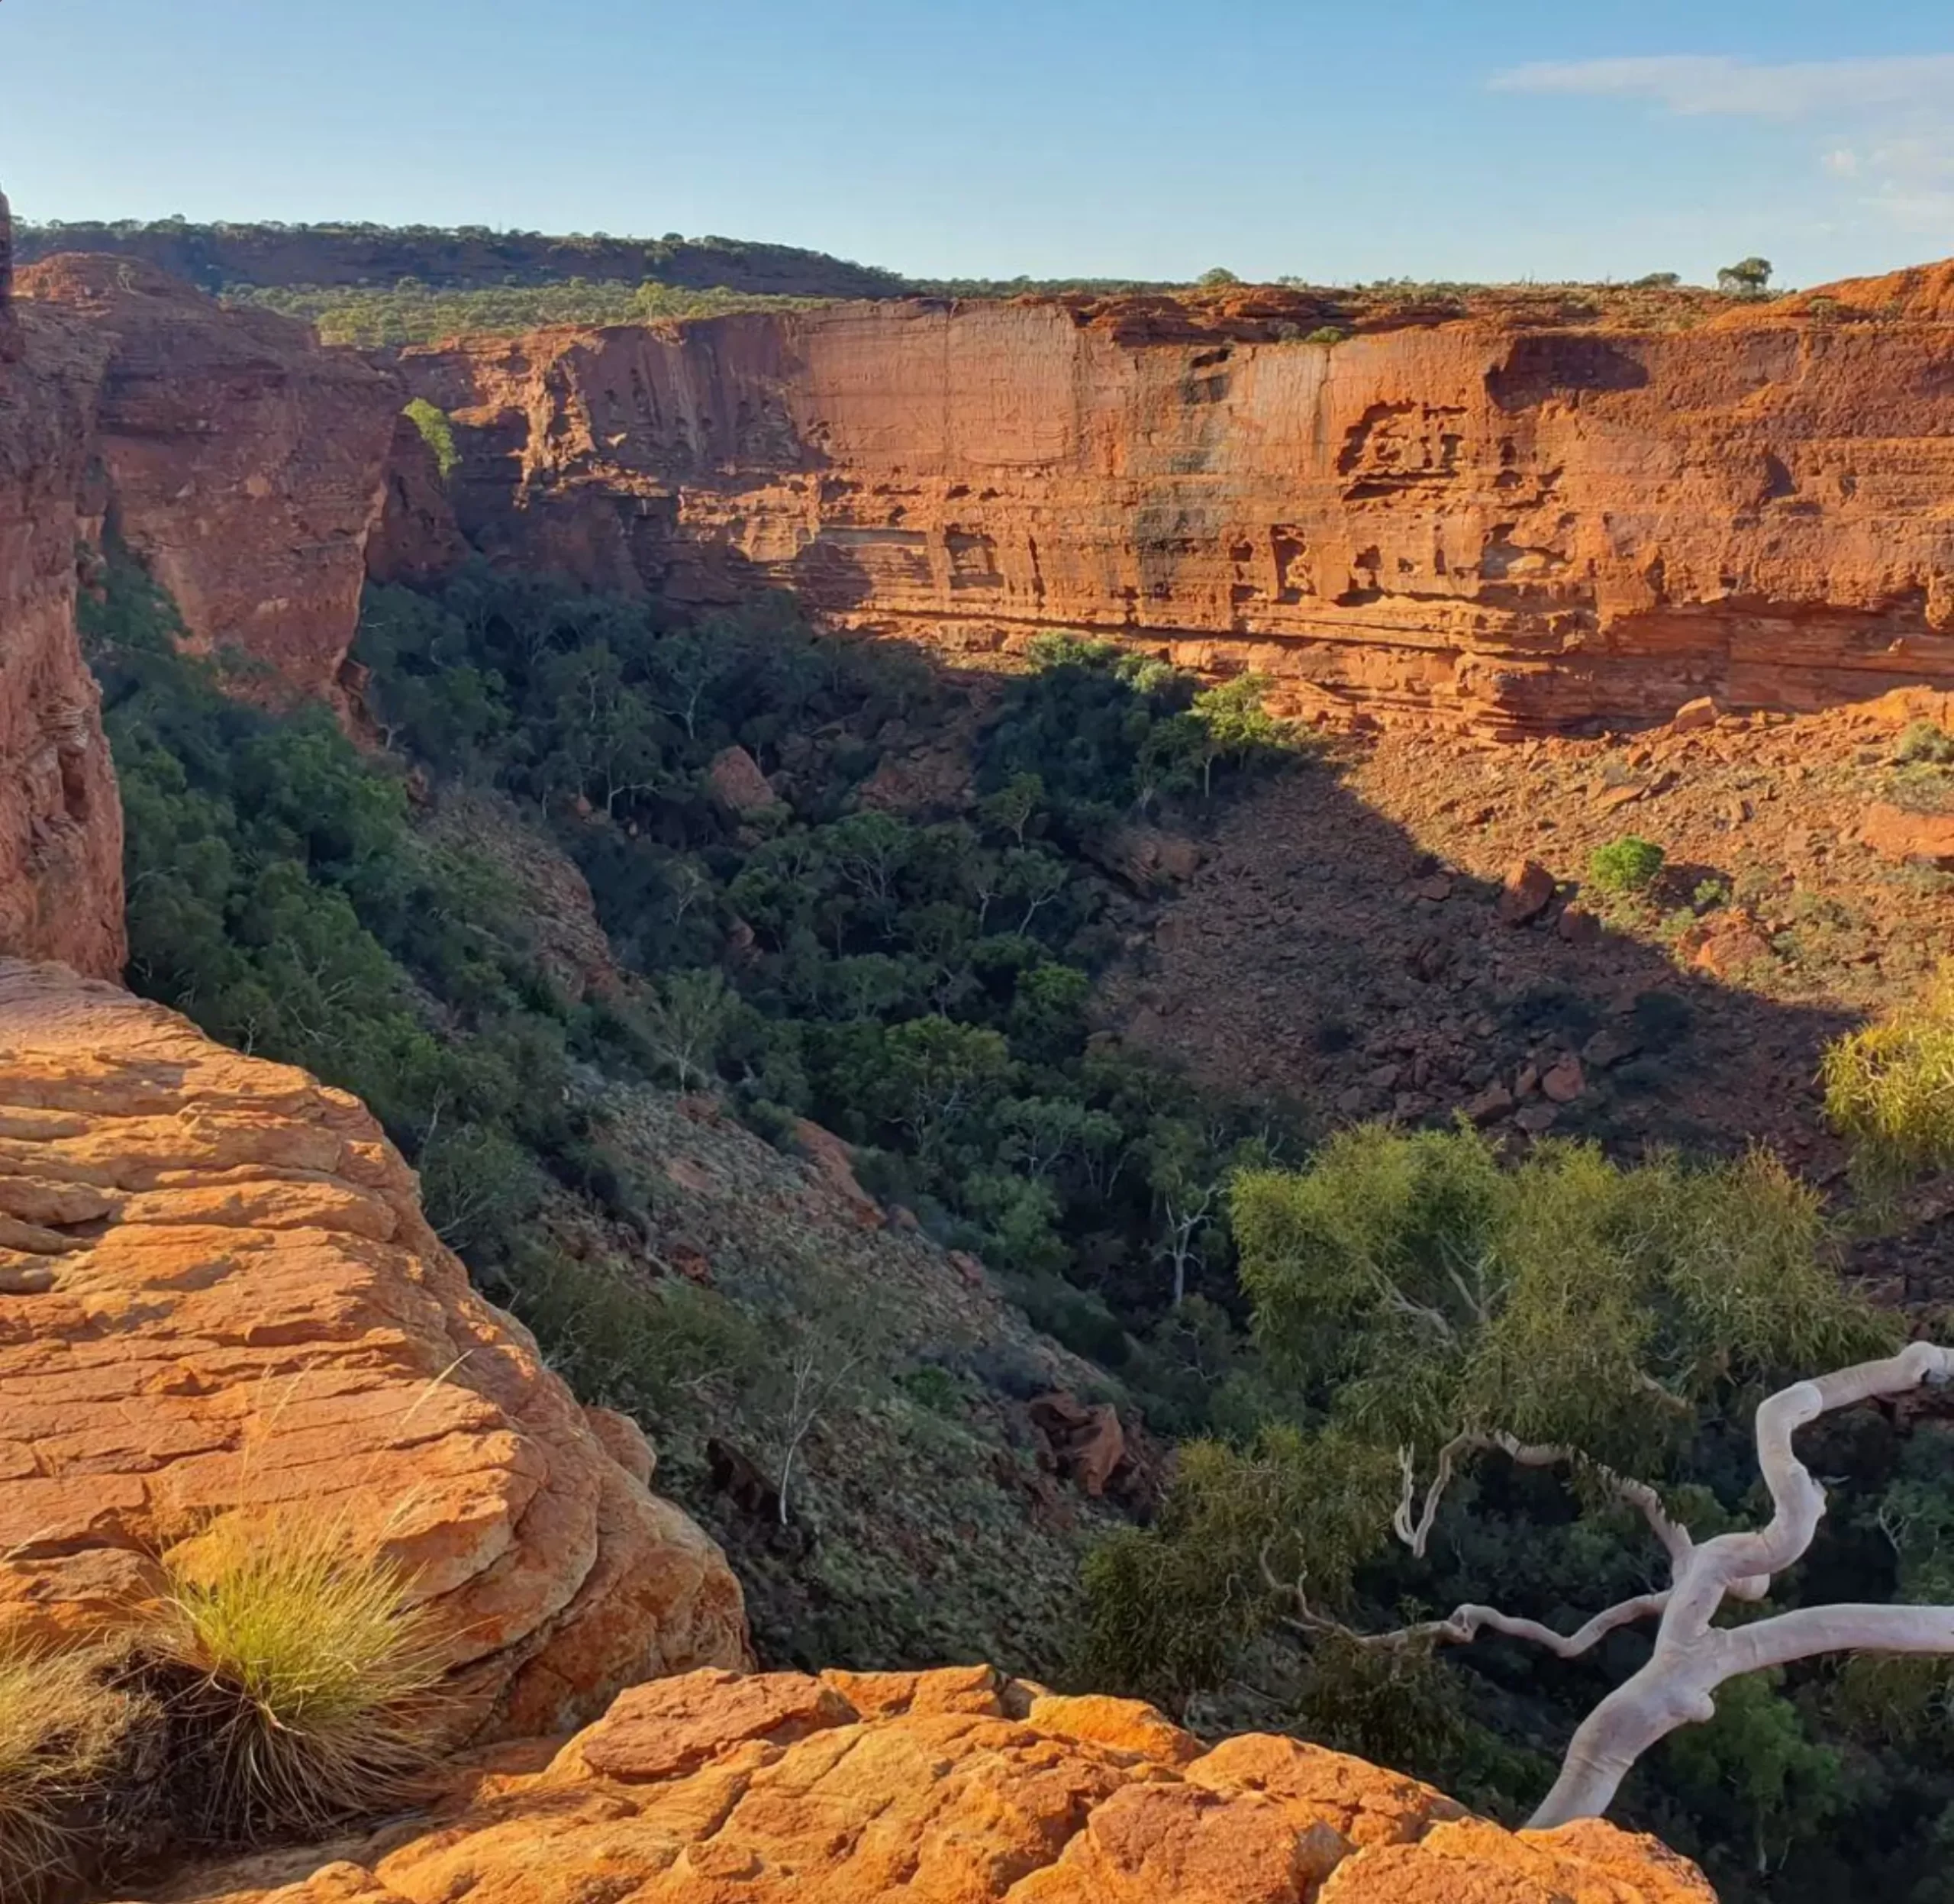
column 949, row 1787
column 218, row 1294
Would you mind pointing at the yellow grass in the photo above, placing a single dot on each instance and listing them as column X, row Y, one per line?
column 60, row 1730
column 312, row 1679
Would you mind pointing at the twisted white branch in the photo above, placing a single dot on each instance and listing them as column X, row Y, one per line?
column 1691, row 1657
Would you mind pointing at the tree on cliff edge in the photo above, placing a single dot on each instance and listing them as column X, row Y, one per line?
column 1748, row 278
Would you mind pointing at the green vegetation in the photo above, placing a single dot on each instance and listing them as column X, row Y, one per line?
column 436, row 432
column 411, row 312
column 304, row 1679
column 918, row 984
column 1924, row 743
column 1748, row 278
column 918, row 981
column 1889, row 1091
column 1408, row 1288
column 1625, row 868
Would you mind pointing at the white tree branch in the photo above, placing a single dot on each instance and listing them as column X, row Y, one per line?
column 1692, row 1657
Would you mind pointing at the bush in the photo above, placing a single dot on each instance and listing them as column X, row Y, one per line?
column 1925, row 742
column 436, row 432
column 1889, row 1092
column 61, row 1729
column 1625, row 866
column 305, row 1678
column 1327, row 334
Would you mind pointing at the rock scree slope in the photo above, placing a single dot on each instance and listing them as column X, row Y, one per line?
column 218, row 1294
column 1518, row 528
column 947, row 1787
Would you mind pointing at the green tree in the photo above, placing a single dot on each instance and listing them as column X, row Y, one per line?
column 1748, row 278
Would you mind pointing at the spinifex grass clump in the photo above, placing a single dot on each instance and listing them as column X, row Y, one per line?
column 61, row 1730
column 1889, row 1092
column 309, row 1680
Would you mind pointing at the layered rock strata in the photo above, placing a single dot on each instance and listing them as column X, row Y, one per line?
column 1514, row 529
column 218, row 1296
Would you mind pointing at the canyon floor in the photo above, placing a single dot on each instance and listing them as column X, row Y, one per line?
column 1341, row 943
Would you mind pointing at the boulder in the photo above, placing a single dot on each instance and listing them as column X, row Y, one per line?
column 735, row 777
column 228, row 1301
column 1086, row 1443
column 958, row 1786
column 1693, row 716
column 1525, row 893
column 1894, row 833
column 834, row 1161
column 1577, row 926
column 1563, row 1081
column 1726, row 943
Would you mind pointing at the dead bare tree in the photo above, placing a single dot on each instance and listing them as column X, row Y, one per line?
column 1691, row 1656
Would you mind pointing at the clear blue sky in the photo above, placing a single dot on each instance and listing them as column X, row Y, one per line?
column 1432, row 138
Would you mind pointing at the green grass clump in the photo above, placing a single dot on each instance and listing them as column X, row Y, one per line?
column 61, row 1729
column 309, row 1678
column 1625, row 866
column 1889, row 1091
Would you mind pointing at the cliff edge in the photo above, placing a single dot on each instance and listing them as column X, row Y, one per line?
column 218, row 1294
column 1508, row 526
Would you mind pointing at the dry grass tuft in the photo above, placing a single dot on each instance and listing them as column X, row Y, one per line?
column 308, row 1682
column 62, row 1729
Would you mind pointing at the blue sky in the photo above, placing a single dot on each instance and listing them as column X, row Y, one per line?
column 1430, row 138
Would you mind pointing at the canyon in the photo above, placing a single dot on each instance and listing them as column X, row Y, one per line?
column 1508, row 527
column 218, row 1291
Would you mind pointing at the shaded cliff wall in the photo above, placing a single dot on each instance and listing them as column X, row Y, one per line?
column 1520, row 529
column 60, row 821
column 243, row 464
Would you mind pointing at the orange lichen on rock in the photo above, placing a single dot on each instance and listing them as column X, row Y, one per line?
column 1512, row 525
column 218, row 1295
column 957, row 1787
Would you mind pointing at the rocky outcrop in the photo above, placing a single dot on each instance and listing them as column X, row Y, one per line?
column 243, row 464
column 218, row 1294
column 61, row 821
column 1519, row 528
column 952, row 1787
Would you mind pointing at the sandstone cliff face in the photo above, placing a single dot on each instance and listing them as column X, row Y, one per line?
column 243, row 464
column 60, row 822
column 1520, row 528
column 949, row 1787
column 218, row 1291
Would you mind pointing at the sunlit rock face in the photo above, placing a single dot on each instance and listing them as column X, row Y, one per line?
column 1469, row 521
column 218, row 1295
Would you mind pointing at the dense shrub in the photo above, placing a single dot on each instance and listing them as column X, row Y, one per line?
column 1626, row 867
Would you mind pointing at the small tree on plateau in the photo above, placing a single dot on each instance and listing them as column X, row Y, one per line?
column 1747, row 278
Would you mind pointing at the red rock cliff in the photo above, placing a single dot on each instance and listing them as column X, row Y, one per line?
column 61, row 821
column 1521, row 528
column 243, row 464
